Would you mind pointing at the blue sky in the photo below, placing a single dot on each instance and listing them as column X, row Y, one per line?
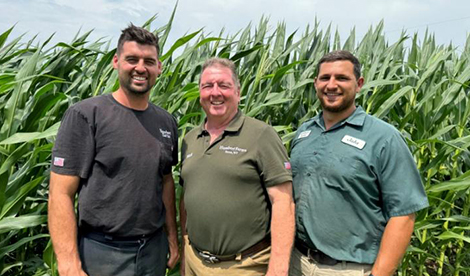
column 447, row 19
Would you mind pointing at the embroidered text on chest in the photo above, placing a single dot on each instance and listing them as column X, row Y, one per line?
column 232, row 150
column 165, row 133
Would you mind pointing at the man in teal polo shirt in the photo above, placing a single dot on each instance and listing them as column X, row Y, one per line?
column 356, row 185
column 237, row 207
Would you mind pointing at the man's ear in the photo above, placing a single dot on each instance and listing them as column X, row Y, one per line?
column 115, row 61
column 159, row 67
column 360, row 83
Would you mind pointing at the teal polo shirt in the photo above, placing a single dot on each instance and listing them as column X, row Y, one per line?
column 348, row 181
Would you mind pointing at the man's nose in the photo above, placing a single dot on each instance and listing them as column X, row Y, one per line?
column 215, row 89
column 331, row 85
column 140, row 67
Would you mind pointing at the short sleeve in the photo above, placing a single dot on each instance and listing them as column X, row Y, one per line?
column 170, row 151
column 273, row 161
column 400, row 183
column 184, row 146
column 175, row 143
column 74, row 148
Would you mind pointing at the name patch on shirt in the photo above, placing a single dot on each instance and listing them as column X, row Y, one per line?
column 165, row 133
column 232, row 150
column 355, row 142
column 304, row 134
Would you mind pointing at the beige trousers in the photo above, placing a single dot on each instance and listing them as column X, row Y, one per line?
column 256, row 265
column 301, row 265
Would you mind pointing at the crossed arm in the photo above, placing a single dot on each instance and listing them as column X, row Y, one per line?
column 393, row 245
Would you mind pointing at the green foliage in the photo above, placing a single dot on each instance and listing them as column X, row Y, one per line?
column 422, row 89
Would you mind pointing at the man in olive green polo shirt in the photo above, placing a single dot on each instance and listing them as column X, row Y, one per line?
column 237, row 206
column 356, row 185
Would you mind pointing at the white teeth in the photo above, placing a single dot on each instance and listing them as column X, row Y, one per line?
column 139, row 78
column 217, row 103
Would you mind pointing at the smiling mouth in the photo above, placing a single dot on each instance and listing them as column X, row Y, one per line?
column 217, row 102
column 332, row 94
column 139, row 78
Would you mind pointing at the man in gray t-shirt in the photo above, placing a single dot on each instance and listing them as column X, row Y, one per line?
column 116, row 151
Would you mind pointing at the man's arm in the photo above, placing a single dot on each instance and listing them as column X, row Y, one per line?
column 393, row 245
column 170, row 218
column 183, row 232
column 62, row 223
column 282, row 228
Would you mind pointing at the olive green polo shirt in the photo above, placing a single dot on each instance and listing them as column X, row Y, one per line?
column 348, row 182
column 225, row 184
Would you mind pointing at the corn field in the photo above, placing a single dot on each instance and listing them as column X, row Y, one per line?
column 421, row 88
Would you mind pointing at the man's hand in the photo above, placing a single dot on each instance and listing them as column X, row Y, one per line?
column 62, row 223
column 170, row 218
column 393, row 245
column 184, row 235
column 174, row 253
column 71, row 269
column 282, row 228
column 183, row 262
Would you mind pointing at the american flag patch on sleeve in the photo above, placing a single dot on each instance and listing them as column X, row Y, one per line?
column 58, row 161
column 287, row 165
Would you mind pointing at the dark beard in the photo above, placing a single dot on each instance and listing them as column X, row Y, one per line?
column 128, row 87
column 337, row 109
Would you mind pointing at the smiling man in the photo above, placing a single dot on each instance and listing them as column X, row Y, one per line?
column 116, row 151
column 356, row 186
column 237, row 206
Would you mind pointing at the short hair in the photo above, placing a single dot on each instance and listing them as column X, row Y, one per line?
column 139, row 35
column 222, row 62
column 342, row 55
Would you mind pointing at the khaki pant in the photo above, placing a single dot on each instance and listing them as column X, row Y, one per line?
column 255, row 265
column 301, row 265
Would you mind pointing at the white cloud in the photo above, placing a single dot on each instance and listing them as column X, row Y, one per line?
column 449, row 22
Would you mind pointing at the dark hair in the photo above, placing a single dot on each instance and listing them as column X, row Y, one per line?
column 139, row 35
column 341, row 55
column 223, row 62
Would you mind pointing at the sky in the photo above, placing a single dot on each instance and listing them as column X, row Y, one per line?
column 449, row 20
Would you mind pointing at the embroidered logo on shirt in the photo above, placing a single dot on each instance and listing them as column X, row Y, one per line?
column 232, row 150
column 304, row 134
column 355, row 142
column 59, row 161
column 165, row 133
column 287, row 165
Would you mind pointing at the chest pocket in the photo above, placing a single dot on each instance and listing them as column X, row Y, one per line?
column 342, row 167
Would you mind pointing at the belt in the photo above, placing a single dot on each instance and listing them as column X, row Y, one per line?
column 213, row 259
column 315, row 254
column 103, row 237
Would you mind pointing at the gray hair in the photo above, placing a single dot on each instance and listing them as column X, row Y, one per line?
column 222, row 62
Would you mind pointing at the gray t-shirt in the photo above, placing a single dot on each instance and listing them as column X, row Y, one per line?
column 120, row 155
